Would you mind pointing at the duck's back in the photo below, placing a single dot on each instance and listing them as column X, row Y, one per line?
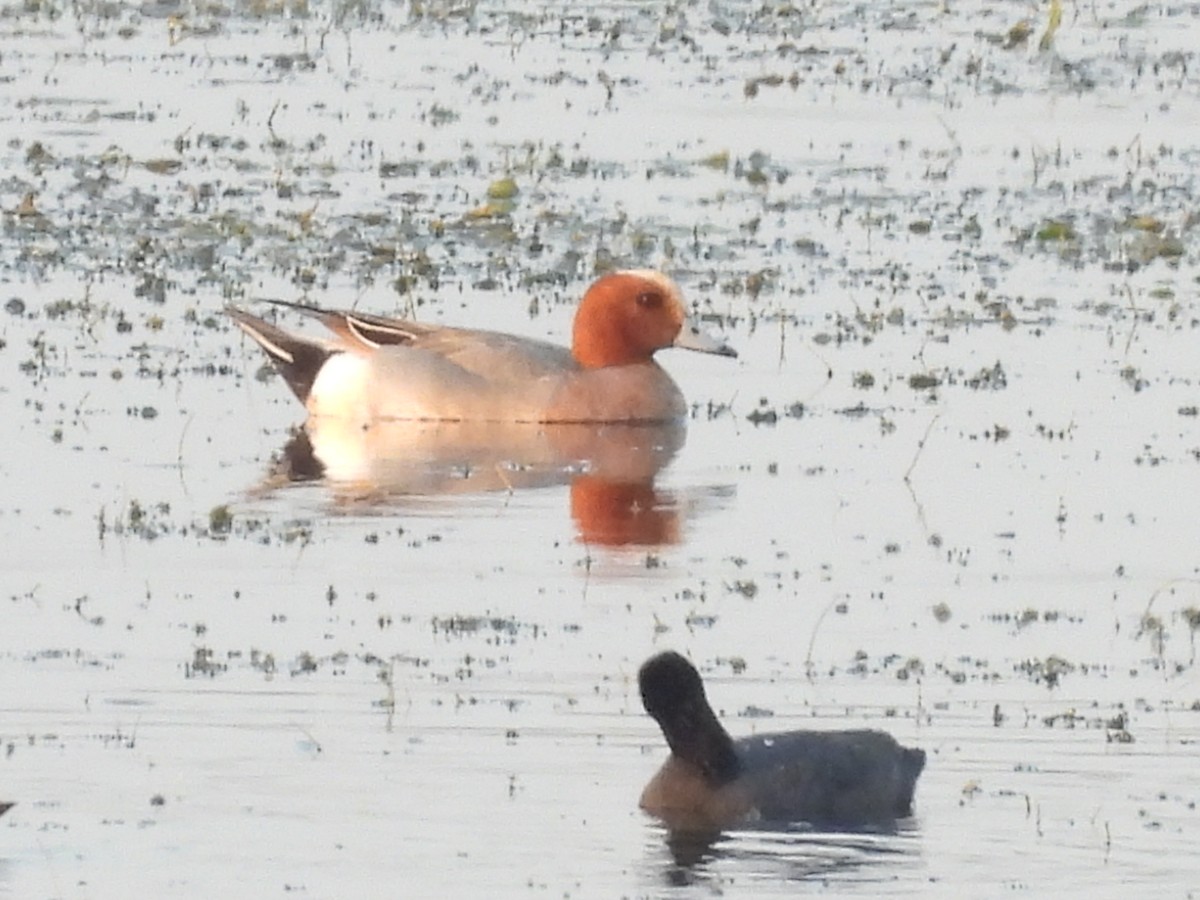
column 833, row 778
column 499, row 357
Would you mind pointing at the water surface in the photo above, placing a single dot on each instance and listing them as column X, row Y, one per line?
column 944, row 491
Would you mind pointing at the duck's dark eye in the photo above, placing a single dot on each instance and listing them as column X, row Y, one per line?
column 650, row 299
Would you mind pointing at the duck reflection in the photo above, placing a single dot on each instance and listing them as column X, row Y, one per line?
column 610, row 469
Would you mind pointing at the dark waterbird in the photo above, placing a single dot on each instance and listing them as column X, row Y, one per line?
column 828, row 779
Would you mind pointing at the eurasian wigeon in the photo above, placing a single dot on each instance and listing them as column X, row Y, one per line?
column 376, row 368
column 710, row 781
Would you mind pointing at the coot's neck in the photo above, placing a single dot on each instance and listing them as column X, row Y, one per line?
column 696, row 736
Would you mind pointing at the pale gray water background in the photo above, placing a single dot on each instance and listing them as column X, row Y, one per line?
column 948, row 489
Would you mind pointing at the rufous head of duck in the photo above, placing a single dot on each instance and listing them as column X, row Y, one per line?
column 627, row 316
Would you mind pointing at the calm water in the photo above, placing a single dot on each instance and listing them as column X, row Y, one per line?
column 946, row 490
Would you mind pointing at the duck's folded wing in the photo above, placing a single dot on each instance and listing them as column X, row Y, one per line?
column 501, row 358
column 377, row 331
column 359, row 331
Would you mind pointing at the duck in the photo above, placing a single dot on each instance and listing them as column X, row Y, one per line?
column 5, row 807
column 374, row 368
column 710, row 782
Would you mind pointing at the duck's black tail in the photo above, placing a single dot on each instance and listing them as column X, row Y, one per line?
column 297, row 358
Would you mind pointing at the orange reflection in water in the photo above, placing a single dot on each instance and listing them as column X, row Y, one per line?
column 617, row 513
column 610, row 469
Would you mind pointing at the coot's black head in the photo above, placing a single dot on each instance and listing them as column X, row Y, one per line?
column 673, row 695
column 669, row 685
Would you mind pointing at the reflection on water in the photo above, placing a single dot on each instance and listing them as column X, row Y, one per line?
column 962, row 269
column 610, row 469
column 791, row 854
